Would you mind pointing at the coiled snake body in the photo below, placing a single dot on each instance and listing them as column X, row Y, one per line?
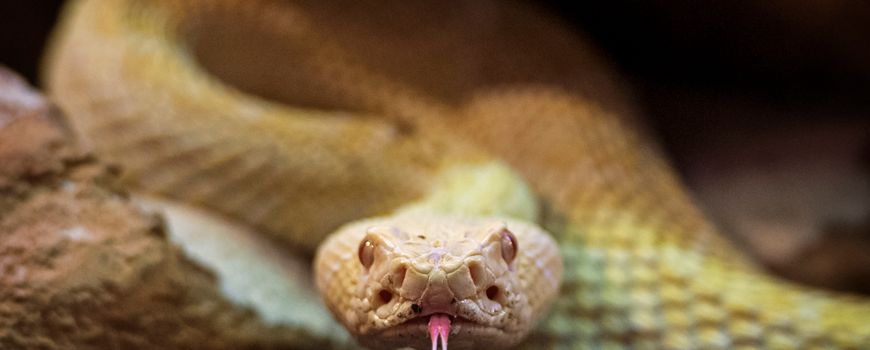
column 298, row 118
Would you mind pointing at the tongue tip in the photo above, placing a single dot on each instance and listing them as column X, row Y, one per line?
column 439, row 328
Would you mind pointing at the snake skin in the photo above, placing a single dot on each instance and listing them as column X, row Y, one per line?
column 644, row 269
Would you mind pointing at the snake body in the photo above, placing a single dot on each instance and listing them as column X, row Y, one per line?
column 297, row 118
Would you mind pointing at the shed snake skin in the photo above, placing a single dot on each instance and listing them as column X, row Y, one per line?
column 298, row 118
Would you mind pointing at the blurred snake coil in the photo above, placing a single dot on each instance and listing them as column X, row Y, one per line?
column 298, row 117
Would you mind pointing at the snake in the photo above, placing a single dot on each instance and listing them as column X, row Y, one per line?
column 471, row 171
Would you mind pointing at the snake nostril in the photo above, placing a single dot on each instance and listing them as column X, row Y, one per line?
column 492, row 292
column 384, row 296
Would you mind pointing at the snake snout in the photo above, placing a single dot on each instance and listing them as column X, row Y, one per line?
column 441, row 290
column 438, row 297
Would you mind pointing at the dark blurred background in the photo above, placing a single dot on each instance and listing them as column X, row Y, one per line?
column 764, row 107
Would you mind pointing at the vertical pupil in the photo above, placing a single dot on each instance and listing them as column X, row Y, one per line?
column 508, row 246
column 366, row 253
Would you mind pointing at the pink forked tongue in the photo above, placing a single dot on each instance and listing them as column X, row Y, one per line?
column 439, row 328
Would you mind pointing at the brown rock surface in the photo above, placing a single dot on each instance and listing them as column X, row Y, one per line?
column 83, row 268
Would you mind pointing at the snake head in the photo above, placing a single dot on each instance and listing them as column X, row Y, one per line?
column 398, row 282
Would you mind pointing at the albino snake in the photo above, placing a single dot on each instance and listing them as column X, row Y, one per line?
column 297, row 118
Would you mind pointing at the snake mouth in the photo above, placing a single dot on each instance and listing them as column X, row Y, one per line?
column 423, row 331
column 439, row 330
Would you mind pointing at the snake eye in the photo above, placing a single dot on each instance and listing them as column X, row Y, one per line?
column 366, row 252
column 508, row 246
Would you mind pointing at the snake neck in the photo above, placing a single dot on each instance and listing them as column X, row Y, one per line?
column 489, row 189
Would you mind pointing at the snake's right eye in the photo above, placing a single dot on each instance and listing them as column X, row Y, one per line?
column 508, row 246
column 366, row 252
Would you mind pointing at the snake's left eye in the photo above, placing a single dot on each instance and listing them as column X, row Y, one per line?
column 508, row 246
column 366, row 252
